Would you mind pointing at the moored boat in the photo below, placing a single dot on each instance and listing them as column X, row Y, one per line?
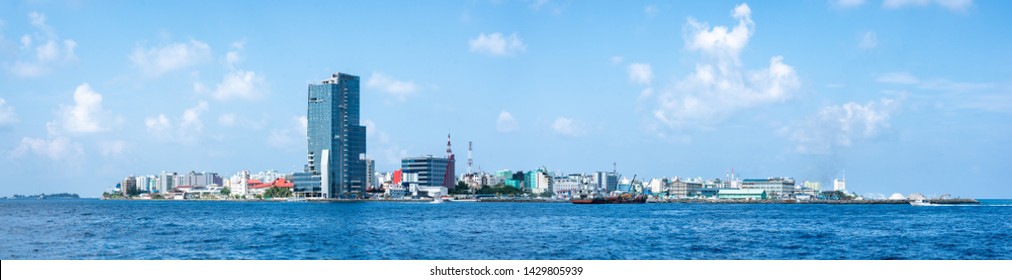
column 618, row 199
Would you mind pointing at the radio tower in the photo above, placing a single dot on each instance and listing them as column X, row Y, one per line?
column 469, row 160
column 448, row 151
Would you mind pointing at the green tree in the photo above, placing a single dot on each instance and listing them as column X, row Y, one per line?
column 460, row 188
column 226, row 191
column 276, row 192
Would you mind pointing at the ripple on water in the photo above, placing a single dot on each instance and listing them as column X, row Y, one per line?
column 93, row 229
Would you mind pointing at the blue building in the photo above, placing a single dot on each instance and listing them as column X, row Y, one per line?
column 337, row 143
column 430, row 171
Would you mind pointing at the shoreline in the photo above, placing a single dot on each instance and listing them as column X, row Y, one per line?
column 946, row 201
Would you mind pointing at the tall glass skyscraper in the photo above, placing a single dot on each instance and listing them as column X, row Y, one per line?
column 336, row 141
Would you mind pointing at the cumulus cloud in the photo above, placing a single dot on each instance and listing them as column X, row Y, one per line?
column 234, row 55
column 506, row 122
column 237, row 83
column 868, row 41
column 847, row 3
column 7, row 115
column 841, row 126
column 291, row 136
column 86, row 115
column 42, row 50
column 567, row 127
column 159, row 60
column 158, row 126
column 497, row 45
column 720, row 85
column 399, row 90
column 952, row 5
column 191, row 118
column 640, row 73
column 390, row 153
column 187, row 129
column 240, row 84
column 303, row 124
column 57, row 148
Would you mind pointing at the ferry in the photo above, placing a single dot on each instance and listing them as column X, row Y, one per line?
column 920, row 202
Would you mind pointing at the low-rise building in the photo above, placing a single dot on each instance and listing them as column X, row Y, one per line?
column 745, row 194
column 776, row 187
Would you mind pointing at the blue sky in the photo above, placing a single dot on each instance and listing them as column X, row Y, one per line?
column 905, row 95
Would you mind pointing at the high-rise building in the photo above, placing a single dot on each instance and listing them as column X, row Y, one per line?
column 839, row 185
column 167, row 182
column 370, row 174
column 604, row 182
column 337, row 144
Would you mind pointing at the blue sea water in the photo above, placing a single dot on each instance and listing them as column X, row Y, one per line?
column 97, row 229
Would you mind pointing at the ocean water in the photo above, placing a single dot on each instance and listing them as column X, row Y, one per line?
column 97, row 229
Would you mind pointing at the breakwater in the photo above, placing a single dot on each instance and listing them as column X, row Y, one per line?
column 945, row 201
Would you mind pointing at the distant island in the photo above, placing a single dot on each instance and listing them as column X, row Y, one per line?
column 47, row 196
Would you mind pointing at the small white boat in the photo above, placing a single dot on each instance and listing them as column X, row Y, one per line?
column 437, row 200
column 920, row 202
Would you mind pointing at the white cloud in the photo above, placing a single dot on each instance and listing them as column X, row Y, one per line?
column 191, row 118
column 719, row 42
column 86, row 115
column 389, row 154
column 841, row 126
column 57, row 148
column 7, row 115
column 645, row 93
column 720, row 86
column 188, row 129
column 234, row 55
column 111, row 148
column 897, row 78
column 399, row 90
column 868, row 41
column 159, row 60
column 303, row 127
column 952, row 5
column 158, row 126
column 38, row 60
column 847, row 3
column 567, row 127
column 506, row 122
column 640, row 73
column 237, row 83
column 498, row 45
column 291, row 136
column 240, row 84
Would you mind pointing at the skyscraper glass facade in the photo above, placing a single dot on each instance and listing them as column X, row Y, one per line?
column 337, row 143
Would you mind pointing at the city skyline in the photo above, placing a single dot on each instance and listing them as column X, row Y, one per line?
column 906, row 96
